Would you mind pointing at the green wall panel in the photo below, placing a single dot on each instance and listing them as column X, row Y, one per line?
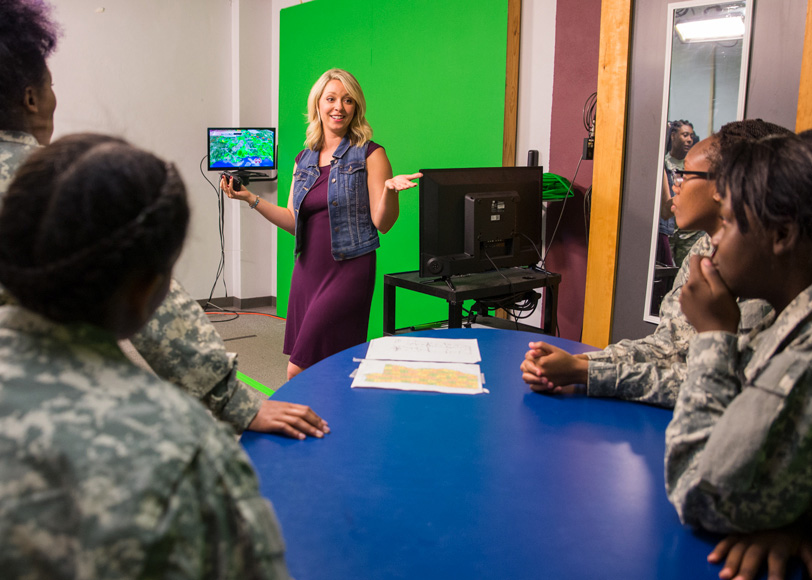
column 433, row 74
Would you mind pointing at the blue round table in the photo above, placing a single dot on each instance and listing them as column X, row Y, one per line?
column 510, row 484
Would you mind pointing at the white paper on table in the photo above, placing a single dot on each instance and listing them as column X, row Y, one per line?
column 404, row 348
column 419, row 376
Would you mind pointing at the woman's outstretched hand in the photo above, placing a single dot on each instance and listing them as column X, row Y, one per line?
column 401, row 182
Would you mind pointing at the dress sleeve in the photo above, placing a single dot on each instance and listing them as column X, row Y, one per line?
column 371, row 147
column 183, row 347
column 739, row 455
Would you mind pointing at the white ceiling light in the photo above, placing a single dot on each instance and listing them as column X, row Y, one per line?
column 729, row 28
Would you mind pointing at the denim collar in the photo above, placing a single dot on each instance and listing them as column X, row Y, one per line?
column 342, row 148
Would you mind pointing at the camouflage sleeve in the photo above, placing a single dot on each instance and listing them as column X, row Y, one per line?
column 650, row 369
column 217, row 504
column 643, row 382
column 183, row 347
column 739, row 458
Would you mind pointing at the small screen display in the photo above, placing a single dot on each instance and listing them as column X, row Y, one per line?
column 242, row 148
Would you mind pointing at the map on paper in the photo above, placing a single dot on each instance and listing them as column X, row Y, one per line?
column 421, row 364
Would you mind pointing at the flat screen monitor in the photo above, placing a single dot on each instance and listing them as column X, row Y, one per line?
column 478, row 219
column 242, row 148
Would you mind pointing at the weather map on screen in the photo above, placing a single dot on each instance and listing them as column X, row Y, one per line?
column 242, row 148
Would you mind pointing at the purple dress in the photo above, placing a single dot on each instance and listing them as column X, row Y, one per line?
column 328, row 309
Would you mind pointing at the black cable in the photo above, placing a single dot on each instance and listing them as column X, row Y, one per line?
column 590, row 107
column 495, row 267
column 561, row 215
column 535, row 247
column 221, row 226
column 587, row 212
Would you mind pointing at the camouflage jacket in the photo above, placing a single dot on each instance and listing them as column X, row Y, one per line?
column 739, row 447
column 15, row 146
column 106, row 471
column 179, row 343
column 183, row 347
column 651, row 369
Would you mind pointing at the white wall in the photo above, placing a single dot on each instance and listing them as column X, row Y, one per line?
column 159, row 72
column 155, row 73
column 536, row 65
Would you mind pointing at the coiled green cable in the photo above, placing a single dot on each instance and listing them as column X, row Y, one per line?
column 556, row 187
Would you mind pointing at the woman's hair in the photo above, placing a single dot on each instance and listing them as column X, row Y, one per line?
column 359, row 131
column 771, row 180
column 735, row 132
column 83, row 217
column 27, row 38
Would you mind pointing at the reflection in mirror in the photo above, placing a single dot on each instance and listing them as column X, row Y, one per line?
column 704, row 88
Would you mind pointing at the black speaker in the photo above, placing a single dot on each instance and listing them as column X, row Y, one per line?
column 532, row 158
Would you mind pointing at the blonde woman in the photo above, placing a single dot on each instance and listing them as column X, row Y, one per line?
column 342, row 195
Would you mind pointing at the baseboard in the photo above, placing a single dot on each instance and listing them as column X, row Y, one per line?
column 234, row 303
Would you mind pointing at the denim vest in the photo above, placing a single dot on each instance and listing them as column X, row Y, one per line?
column 352, row 232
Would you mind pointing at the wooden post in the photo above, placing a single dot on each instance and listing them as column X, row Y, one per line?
column 607, row 181
column 803, row 119
column 512, row 82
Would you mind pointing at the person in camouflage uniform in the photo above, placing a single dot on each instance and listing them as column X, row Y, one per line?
column 651, row 369
column 739, row 447
column 15, row 147
column 106, row 471
column 182, row 346
column 194, row 358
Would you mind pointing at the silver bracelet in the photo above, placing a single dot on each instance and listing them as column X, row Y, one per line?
column 255, row 204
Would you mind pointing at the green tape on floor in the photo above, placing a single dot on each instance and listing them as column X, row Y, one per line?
column 255, row 384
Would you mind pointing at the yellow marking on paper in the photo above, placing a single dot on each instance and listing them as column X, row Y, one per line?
column 435, row 377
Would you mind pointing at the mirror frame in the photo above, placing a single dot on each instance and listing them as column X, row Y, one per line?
column 648, row 316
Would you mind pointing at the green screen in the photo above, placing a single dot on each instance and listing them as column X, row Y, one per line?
column 433, row 74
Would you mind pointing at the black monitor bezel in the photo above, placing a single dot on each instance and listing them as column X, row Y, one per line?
column 244, row 168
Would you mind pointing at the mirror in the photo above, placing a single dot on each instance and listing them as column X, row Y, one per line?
column 704, row 88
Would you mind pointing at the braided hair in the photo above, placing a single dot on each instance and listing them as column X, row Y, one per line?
column 27, row 38
column 736, row 131
column 673, row 127
column 82, row 218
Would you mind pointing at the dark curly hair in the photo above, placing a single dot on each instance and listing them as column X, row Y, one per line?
column 84, row 216
column 27, row 39
column 771, row 179
column 736, row 131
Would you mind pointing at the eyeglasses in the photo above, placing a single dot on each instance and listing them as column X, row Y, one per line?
column 678, row 175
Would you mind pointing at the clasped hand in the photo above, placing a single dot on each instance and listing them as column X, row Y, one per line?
column 706, row 300
column 547, row 368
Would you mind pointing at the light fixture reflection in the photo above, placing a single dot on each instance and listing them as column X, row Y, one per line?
column 729, row 28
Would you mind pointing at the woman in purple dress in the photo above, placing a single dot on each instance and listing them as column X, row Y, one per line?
column 342, row 195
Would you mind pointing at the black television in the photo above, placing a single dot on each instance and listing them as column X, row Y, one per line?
column 478, row 219
column 241, row 148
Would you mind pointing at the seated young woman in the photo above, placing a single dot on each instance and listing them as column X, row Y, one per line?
column 739, row 447
column 651, row 369
column 106, row 471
